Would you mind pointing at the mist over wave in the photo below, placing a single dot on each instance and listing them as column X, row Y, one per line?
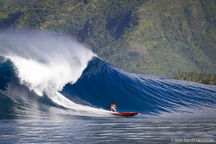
column 45, row 59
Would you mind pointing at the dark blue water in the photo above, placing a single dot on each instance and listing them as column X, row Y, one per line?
column 168, row 109
column 102, row 84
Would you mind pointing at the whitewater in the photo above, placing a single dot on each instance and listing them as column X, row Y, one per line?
column 45, row 62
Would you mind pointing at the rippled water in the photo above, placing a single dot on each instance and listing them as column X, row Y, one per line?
column 105, row 130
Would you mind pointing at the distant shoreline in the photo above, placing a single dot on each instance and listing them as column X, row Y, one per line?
column 197, row 77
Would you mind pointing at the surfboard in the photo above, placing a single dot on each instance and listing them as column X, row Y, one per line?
column 125, row 114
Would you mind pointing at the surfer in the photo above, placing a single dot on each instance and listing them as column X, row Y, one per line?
column 113, row 107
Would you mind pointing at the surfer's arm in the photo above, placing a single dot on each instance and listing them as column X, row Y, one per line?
column 115, row 107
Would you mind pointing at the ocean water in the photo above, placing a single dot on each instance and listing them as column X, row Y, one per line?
column 54, row 90
column 107, row 130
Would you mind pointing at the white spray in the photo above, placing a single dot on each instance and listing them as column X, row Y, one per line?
column 47, row 61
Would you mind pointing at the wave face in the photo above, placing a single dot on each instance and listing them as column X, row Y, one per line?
column 102, row 84
column 46, row 73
